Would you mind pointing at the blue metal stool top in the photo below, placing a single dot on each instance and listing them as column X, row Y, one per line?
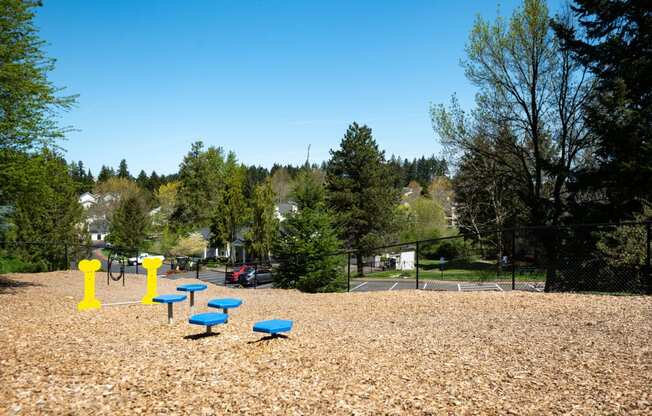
column 225, row 303
column 208, row 318
column 192, row 288
column 273, row 326
column 169, row 298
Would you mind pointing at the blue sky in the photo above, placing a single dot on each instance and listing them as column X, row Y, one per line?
column 261, row 78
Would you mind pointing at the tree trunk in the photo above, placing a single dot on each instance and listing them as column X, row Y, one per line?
column 499, row 267
column 551, row 250
column 359, row 264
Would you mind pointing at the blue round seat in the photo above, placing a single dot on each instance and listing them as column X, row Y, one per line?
column 208, row 319
column 192, row 288
column 169, row 298
column 273, row 326
column 225, row 303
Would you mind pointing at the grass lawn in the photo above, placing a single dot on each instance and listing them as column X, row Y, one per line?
column 472, row 271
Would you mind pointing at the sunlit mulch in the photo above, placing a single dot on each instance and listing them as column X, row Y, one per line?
column 407, row 352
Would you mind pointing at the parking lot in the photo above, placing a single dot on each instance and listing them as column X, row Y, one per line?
column 216, row 277
column 374, row 285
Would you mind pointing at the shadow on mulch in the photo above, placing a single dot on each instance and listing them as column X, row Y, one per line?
column 201, row 335
column 11, row 286
column 268, row 338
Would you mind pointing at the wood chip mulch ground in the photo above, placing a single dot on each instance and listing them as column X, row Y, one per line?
column 405, row 352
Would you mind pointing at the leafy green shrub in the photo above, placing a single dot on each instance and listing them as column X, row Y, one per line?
column 449, row 249
column 14, row 265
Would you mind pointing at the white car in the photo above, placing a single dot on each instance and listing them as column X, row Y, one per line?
column 131, row 261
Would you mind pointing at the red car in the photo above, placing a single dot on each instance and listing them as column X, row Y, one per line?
column 235, row 276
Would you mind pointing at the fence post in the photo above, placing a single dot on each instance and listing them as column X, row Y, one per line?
column 255, row 275
column 348, row 274
column 197, row 273
column 65, row 255
column 514, row 259
column 648, row 266
column 136, row 261
column 226, row 270
column 416, row 258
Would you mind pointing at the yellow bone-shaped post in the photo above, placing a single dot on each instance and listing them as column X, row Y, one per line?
column 151, row 264
column 89, row 267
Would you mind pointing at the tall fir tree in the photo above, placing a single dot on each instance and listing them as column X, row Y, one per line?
column 359, row 190
column 44, row 207
column 129, row 223
column 154, row 182
column 201, row 178
column 37, row 194
column 232, row 212
column 123, row 171
column 142, row 180
column 614, row 39
column 264, row 224
column 105, row 174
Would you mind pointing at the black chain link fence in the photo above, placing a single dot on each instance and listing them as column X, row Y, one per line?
column 611, row 258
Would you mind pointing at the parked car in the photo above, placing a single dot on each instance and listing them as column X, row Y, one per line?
column 131, row 261
column 235, row 275
column 253, row 277
column 184, row 263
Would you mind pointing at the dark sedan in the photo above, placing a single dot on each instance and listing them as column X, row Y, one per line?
column 253, row 277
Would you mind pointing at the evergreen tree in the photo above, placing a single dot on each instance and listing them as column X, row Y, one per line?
column 232, row 212
column 123, row 171
column 38, row 196
column 360, row 192
column 305, row 242
column 44, row 207
column 614, row 39
column 154, row 182
column 255, row 176
column 142, row 180
column 129, row 223
column 105, row 174
column 264, row 224
column 201, row 189
column 89, row 181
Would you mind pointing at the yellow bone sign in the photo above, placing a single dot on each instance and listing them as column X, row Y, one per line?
column 151, row 264
column 89, row 267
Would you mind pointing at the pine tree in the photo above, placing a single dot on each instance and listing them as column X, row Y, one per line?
column 123, row 171
column 38, row 196
column 45, row 207
column 129, row 223
column 306, row 241
column 232, row 212
column 264, row 224
column 359, row 190
column 154, row 182
column 142, row 180
column 105, row 174
column 200, row 195
column 614, row 39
